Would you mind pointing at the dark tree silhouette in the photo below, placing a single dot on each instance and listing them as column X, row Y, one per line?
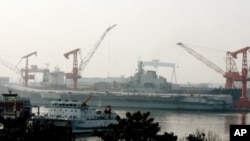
column 135, row 127
column 197, row 137
column 40, row 130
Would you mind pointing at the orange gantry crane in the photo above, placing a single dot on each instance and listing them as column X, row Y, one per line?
column 231, row 69
column 77, row 71
column 231, row 74
column 26, row 76
column 74, row 74
column 211, row 65
column 243, row 101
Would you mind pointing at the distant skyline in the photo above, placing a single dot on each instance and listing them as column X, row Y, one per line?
column 146, row 30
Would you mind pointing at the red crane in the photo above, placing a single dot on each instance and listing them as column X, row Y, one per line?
column 231, row 69
column 26, row 70
column 231, row 74
column 243, row 101
column 74, row 74
column 84, row 62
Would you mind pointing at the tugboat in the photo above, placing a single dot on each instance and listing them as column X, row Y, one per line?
column 81, row 118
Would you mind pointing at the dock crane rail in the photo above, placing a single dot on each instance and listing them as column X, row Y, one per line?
column 10, row 66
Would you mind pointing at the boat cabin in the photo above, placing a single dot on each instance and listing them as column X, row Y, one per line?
column 11, row 105
column 65, row 109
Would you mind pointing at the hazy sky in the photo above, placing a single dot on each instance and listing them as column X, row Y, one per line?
column 146, row 29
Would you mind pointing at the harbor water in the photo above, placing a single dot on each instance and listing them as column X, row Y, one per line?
column 183, row 123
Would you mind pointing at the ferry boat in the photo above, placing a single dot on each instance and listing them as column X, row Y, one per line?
column 81, row 117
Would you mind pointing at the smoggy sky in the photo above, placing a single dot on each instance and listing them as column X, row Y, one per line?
column 146, row 30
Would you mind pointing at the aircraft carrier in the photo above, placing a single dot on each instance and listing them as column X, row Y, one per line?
column 143, row 90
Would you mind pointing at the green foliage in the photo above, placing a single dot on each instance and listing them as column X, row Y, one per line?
column 135, row 127
column 20, row 130
column 200, row 135
column 38, row 129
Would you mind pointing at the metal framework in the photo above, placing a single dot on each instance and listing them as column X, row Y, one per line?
column 156, row 63
column 74, row 74
column 26, row 76
column 243, row 102
column 77, row 71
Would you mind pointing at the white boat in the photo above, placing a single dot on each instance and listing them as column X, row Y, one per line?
column 82, row 118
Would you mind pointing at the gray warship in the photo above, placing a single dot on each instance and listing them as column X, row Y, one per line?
column 145, row 82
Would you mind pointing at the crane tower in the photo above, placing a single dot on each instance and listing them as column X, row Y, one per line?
column 77, row 71
column 231, row 69
column 74, row 74
column 243, row 101
column 26, row 70
column 231, row 74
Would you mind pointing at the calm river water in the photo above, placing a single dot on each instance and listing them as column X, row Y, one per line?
column 183, row 123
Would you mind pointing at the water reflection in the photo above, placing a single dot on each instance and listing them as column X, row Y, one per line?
column 243, row 118
column 183, row 123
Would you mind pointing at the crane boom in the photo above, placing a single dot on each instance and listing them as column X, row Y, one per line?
column 87, row 99
column 27, row 56
column 10, row 66
column 90, row 54
column 202, row 59
column 66, row 55
column 243, row 50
